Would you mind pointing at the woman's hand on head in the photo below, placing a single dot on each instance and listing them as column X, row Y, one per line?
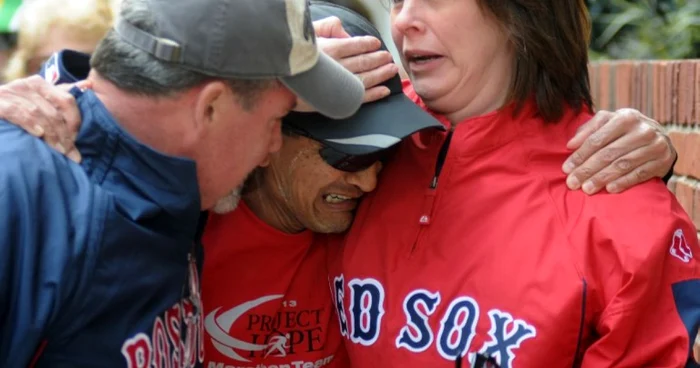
column 361, row 55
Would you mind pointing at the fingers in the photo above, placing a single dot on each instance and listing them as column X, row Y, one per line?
column 365, row 62
column 340, row 48
column 585, row 130
column 602, row 135
column 360, row 56
column 618, row 150
column 43, row 110
column 64, row 102
column 643, row 167
column 330, row 27
column 606, row 156
column 9, row 112
column 375, row 93
column 638, row 175
column 616, row 161
column 60, row 117
column 377, row 76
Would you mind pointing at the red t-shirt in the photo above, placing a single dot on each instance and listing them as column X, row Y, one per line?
column 501, row 258
column 266, row 298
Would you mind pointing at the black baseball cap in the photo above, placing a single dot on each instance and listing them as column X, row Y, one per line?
column 377, row 125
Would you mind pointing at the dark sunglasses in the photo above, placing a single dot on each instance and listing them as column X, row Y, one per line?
column 481, row 361
column 352, row 163
column 340, row 160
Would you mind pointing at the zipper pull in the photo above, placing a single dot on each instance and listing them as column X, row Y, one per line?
column 427, row 212
column 428, row 201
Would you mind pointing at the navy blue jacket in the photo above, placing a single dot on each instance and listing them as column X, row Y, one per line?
column 99, row 259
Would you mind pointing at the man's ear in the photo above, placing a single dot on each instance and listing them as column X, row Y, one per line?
column 210, row 105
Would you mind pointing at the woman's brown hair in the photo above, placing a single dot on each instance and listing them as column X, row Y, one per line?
column 551, row 43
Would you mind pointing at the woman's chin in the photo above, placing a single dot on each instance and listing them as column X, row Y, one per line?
column 429, row 88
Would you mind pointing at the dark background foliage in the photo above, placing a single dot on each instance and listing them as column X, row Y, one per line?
column 645, row 29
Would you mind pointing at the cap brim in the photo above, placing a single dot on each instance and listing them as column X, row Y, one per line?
column 376, row 126
column 328, row 87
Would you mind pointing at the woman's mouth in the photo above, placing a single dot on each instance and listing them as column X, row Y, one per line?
column 419, row 61
column 423, row 59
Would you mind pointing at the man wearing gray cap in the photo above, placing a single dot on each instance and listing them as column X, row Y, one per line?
column 100, row 259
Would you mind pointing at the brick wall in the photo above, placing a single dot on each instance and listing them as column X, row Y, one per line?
column 669, row 92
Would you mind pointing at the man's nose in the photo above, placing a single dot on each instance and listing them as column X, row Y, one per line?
column 365, row 179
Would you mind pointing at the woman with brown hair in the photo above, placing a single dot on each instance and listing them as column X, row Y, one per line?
column 472, row 247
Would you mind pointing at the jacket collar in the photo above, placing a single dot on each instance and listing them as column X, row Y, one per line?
column 480, row 133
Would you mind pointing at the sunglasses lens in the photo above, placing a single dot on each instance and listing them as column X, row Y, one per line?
column 351, row 163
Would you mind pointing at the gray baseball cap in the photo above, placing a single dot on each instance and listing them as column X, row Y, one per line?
column 249, row 39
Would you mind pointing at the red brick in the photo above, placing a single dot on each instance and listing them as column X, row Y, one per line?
column 664, row 92
column 636, row 87
column 672, row 95
column 696, row 86
column 679, row 139
column 668, row 87
column 680, row 93
column 659, row 89
column 593, row 81
column 623, row 84
column 604, row 74
column 694, row 89
column 685, row 90
column 640, row 82
column 593, row 78
column 691, row 154
column 685, row 192
column 690, row 90
column 612, row 85
column 646, row 76
column 656, row 92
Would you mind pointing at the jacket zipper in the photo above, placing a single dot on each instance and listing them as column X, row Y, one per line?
column 426, row 213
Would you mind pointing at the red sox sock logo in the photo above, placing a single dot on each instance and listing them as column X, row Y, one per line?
column 679, row 247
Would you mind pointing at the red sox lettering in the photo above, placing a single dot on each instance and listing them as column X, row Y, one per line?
column 176, row 336
column 362, row 322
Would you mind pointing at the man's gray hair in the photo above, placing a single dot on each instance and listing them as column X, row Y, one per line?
column 134, row 70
